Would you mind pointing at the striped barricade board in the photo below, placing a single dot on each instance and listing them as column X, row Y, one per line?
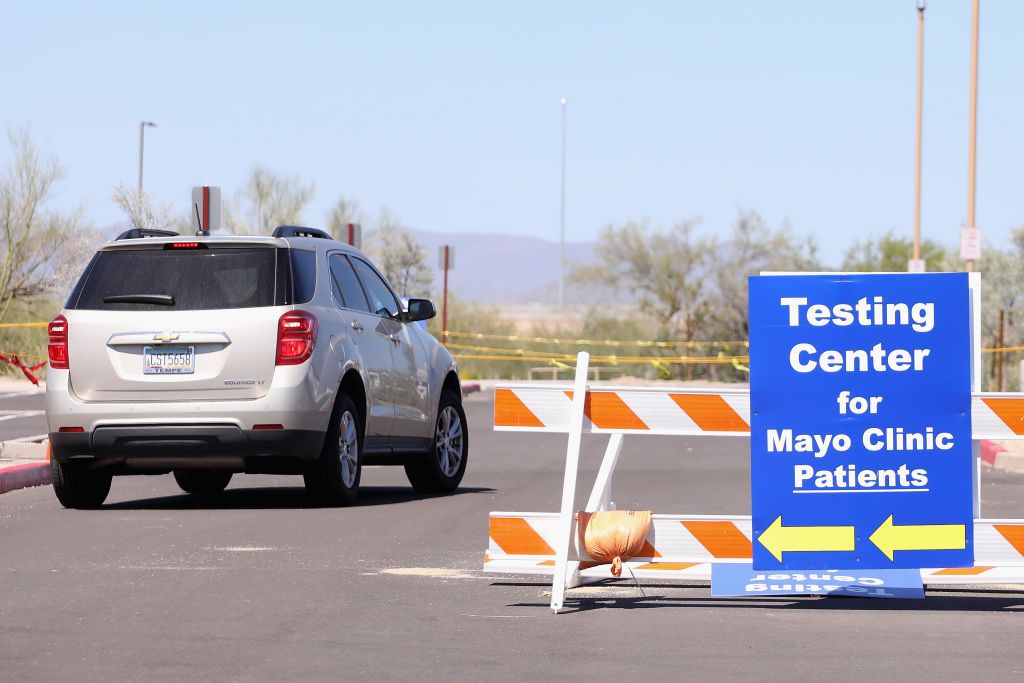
column 683, row 547
column 689, row 412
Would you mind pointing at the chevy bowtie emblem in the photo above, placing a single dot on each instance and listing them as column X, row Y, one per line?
column 165, row 336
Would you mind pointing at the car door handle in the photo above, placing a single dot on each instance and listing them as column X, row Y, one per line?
column 357, row 326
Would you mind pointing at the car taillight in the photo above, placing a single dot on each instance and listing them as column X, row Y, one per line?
column 296, row 334
column 58, row 346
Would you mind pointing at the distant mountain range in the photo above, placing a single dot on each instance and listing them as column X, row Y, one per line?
column 509, row 269
column 497, row 269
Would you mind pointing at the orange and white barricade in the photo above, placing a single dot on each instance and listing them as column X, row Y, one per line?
column 683, row 547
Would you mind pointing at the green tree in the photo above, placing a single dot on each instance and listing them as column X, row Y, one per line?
column 1002, row 271
column 142, row 211
column 32, row 232
column 753, row 247
column 467, row 316
column 345, row 211
column 267, row 201
column 666, row 270
column 890, row 253
column 401, row 259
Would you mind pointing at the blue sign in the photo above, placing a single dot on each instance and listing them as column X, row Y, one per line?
column 860, row 400
column 742, row 579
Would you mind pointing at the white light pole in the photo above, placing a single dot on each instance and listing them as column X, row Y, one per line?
column 142, row 143
column 917, row 148
column 972, row 153
column 561, row 259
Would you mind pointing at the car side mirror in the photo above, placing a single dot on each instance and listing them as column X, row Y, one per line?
column 418, row 309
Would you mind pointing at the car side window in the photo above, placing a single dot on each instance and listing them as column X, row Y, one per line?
column 382, row 301
column 346, row 286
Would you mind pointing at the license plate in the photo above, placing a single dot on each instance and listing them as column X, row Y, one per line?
column 168, row 360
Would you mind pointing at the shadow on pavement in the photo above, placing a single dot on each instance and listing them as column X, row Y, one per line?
column 265, row 497
column 956, row 600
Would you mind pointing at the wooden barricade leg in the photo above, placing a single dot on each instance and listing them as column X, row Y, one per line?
column 600, row 498
column 564, row 568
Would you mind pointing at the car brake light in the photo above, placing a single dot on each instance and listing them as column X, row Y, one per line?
column 57, row 349
column 185, row 245
column 296, row 335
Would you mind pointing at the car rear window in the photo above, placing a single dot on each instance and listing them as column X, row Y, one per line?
column 185, row 280
column 304, row 274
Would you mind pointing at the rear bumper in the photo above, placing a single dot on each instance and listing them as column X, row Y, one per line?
column 184, row 446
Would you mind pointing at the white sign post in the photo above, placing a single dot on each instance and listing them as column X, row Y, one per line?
column 205, row 213
column 970, row 244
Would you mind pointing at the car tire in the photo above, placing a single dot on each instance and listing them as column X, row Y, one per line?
column 77, row 486
column 334, row 477
column 442, row 469
column 202, row 482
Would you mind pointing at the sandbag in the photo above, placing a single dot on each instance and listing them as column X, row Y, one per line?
column 614, row 535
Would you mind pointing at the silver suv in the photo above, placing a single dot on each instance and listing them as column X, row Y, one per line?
column 206, row 356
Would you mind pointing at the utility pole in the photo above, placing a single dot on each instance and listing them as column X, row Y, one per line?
column 561, row 257
column 972, row 156
column 142, row 143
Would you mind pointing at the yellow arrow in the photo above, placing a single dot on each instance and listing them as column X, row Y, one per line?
column 779, row 539
column 889, row 538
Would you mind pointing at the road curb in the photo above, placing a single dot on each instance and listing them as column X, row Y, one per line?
column 23, row 476
column 1005, row 455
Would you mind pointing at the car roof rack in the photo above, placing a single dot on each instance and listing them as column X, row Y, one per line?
column 300, row 231
column 137, row 233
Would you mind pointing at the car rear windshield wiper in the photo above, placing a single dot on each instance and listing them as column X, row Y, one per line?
column 158, row 299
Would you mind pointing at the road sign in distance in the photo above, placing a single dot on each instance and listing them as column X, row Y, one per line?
column 970, row 244
column 206, row 208
column 446, row 257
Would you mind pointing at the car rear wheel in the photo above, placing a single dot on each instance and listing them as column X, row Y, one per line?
column 445, row 464
column 334, row 477
column 202, row 482
column 77, row 486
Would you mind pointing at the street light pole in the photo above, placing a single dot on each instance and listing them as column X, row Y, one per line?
column 561, row 259
column 920, row 106
column 972, row 156
column 142, row 143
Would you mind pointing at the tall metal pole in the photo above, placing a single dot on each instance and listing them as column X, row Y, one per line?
column 561, row 258
column 972, row 156
column 920, row 106
column 142, row 142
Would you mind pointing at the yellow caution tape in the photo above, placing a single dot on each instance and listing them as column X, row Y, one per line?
column 11, row 354
column 612, row 360
column 594, row 342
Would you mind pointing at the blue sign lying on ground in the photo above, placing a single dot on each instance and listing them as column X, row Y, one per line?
column 742, row 579
column 860, row 400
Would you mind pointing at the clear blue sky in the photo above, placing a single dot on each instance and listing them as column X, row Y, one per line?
column 448, row 113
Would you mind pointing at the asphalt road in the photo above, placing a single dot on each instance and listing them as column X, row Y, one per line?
column 258, row 586
column 22, row 413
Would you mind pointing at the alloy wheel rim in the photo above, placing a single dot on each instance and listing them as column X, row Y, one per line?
column 449, row 441
column 348, row 449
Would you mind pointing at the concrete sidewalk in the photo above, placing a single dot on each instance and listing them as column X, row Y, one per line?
column 23, row 465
